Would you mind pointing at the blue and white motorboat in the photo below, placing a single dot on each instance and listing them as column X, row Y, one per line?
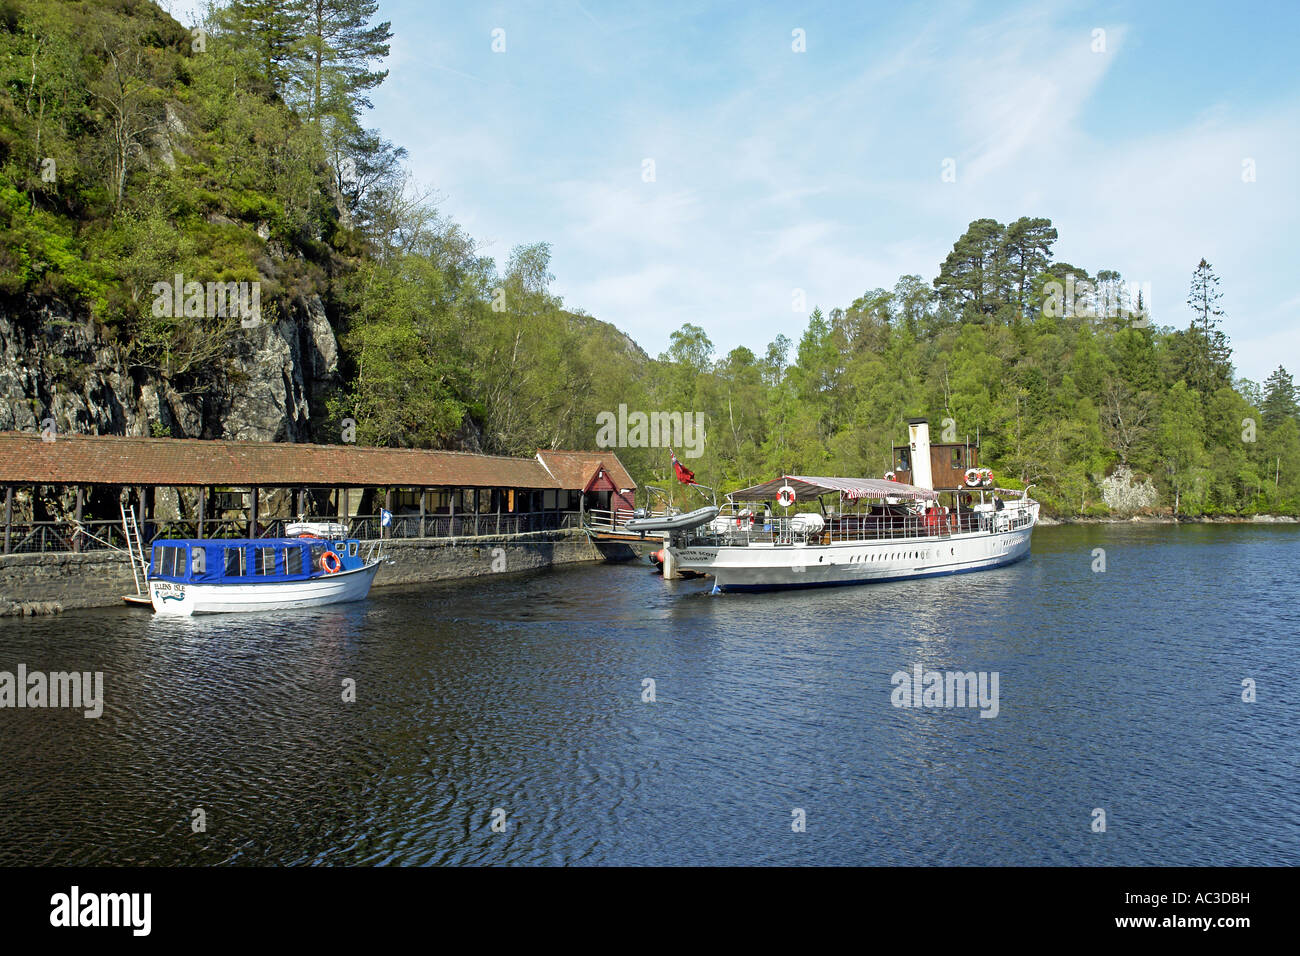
column 213, row 575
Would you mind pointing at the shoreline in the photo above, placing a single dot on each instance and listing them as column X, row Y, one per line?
column 1047, row 521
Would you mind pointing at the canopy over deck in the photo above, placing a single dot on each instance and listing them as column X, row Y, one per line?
column 854, row 488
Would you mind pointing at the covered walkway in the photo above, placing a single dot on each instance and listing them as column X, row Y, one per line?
column 65, row 494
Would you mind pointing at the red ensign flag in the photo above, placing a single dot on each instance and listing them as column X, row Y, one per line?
column 684, row 474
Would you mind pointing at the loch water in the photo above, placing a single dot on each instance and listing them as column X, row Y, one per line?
column 522, row 699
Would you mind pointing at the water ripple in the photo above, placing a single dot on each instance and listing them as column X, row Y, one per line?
column 1119, row 691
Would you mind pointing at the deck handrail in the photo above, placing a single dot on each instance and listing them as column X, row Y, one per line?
column 744, row 530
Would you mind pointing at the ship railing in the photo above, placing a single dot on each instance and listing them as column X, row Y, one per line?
column 745, row 530
column 615, row 521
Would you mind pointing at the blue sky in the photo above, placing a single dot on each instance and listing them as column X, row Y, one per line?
column 821, row 170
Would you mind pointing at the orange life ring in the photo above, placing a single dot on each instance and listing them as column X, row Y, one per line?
column 330, row 563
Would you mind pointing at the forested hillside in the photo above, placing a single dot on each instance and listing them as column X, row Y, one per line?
column 1069, row 382
column 133, row 150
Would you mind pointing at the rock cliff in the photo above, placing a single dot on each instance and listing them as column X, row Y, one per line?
column 54, row 364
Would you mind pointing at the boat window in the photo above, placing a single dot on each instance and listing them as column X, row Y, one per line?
column 317, row 551
column 235, row 562
column 198, row 560
column 352, row 549
column 264, row 560
column 293, row 560
column 176, row 566
column 957, row 462
column 169, row 560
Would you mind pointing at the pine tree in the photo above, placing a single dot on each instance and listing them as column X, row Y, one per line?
column 1026, row 251
column 273, row 29
column 971, row 278
column 1279, row 398
column 339, row 45
column 1212, row 369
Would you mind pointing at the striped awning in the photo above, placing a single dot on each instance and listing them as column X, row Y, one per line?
column 853, row 488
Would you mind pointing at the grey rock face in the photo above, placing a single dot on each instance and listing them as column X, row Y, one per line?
column 54, row 365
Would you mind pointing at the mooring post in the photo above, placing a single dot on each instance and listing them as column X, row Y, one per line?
column 670, row 563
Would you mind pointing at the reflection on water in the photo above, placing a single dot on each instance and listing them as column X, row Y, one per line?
column 1119, row 690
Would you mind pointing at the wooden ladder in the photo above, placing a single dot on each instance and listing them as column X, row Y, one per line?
column 134, row 546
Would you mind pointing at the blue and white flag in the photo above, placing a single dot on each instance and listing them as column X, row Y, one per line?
column 385, row 518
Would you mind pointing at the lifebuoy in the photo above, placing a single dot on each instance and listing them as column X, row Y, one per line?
column 330, row 563
column 890, row 476
column 972, row 477
column 785, row 496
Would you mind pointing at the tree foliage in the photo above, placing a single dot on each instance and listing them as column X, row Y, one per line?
column 130, row 152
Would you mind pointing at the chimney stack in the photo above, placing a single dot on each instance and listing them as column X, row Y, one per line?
column 918, row 435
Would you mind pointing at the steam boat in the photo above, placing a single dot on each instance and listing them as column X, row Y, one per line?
column 905, row 525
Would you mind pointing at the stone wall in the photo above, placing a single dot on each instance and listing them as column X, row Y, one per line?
column 414, row 561
column 101, row 578
column 94, row 579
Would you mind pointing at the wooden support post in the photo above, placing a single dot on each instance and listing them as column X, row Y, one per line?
column 423, row 492
column 203, row 507
column 499, row 493
column 252, row 513
column 9, row 516
column 302, row 502
column 140, row 517
column 388, row 506
column 451, row 513
column 76, row 535
column 476, row 508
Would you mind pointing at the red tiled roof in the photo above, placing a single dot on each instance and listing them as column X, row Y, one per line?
column 575, row 469
column 119, row 460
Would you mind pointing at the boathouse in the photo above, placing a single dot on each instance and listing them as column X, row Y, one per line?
column 65, row 492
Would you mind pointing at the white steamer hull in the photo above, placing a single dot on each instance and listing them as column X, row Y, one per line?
column 183, row 600
column 765, row 568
